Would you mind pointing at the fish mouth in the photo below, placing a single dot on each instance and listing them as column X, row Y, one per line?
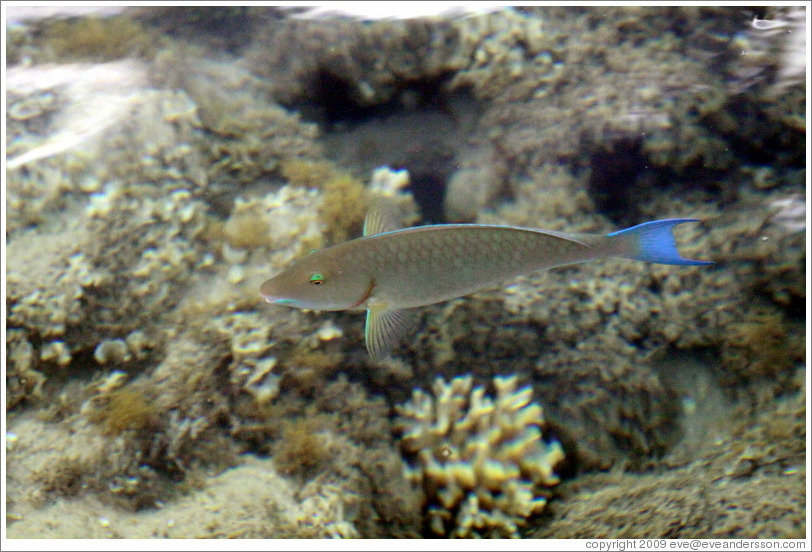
column 275, row 300
column 279, row 300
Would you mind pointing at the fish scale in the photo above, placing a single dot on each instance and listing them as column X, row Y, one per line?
column 389, row 270
column 460, row 259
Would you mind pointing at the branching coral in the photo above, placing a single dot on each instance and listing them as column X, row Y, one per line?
column 481, row 461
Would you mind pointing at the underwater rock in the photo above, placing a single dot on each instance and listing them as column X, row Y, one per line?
column 356, row 64
column 481, row 461
column 57, row 352
column 473, row 186
column 113, row 350
column 745, row 481
column 614, row 409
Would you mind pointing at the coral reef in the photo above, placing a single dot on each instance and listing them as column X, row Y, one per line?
column 151, row 392
column 709, row 494
column 481, row 461
column 368, row 60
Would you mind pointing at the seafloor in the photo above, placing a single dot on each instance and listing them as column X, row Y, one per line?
column 163, row 162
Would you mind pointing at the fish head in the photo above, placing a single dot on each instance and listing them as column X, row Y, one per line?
column 314, row 282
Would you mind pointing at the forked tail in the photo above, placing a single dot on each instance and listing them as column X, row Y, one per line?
column 652, row 242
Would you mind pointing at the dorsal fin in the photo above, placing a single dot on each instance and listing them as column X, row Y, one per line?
column 379, row 220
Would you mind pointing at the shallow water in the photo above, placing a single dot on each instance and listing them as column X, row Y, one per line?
column 161, row 163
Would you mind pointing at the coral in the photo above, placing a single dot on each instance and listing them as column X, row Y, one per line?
column 56, row 352
column 616, row 408
column 370, row 61
column 509, row 50
column 649, row 94
column 307, row 173
column 345, row 201
column 762, row 346
column 169, row 249
column 161, row 142
column 256, row 140
column 390, row 187
column 23, row 382
column 573, row 332
column 337, row 445
column 283, row 221
column 549, row 196
column 249, row 134
column 255, row 373
column 746, row 480
column 64, row 290
column 48, row 279
column 481, row 461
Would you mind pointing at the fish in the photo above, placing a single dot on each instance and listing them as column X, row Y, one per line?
column 391, row 269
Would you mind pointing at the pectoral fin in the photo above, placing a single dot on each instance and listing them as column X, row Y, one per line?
column 384, row 328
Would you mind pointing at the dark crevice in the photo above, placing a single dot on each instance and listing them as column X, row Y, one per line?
column 428, row 190
column 760, row 140
column 613, row 180
column 422, row 122
column 430, row 165
column 622, row 180
column 334, row 100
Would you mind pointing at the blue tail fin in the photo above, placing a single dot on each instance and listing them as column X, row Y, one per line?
column 652, row 242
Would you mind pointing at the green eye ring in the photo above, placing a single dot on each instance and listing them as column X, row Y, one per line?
column 317, row 279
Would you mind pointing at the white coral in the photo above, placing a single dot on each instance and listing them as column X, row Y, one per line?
column 481, row 461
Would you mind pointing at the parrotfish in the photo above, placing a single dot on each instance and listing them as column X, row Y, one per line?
column 392, row 269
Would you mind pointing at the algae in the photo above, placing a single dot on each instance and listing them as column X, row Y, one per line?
column 345, row 202
column 300, row 450
column 97, row 39
column 125, row 409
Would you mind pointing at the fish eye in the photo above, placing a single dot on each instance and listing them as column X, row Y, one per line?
column 317, row 279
